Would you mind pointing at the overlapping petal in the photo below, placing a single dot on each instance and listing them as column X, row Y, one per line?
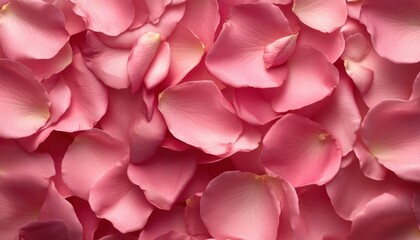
column 391, row 133
column 35, row 23
column 296, row 144
column 394, row 27
column 238, row 62
column 24, row 102
column 195, row 109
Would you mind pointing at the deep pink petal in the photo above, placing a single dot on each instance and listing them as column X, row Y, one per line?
column 111, row 17
column 385, row 217
column 195, row 225
column 89, row 97
column 37, row 24
column 163, row 176
column 15, row 160
column 200, row 107
column 297, row 144
column 116, row 199
column 40, row 230
column 21, row 197
column 156, row 8
column 333, row 12
column 91, row 155
column 340, row 115
column 303, row 88
column 239, row 63
column 23, row 100
column 394, row 28
column 127, row 120
column 318, row 219
column 55, row 207
column 174, row 221
column 208, row 13
column 246, row 205
column 391, row 132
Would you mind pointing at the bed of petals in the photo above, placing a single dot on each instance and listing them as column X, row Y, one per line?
column 209, row 119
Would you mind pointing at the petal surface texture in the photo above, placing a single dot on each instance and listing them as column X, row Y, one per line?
column 295, row 144
column 196, row 109
column 237, row 55
column 322, row 15
column 24, row 102
column 391, row 132
column 395, row 28
column 246, row 205
column 32, row 29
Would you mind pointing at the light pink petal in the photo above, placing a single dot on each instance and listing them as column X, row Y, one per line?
column 55, row 207
column 318, row 219
column 40, row 230
column 60, row 96
column 391, row 132
column 89, row 97
column 21, row 197
column 37, row 24
column 186, row 51
column 208, row 13
column 127, row 120
column 369, row 165
column 385, row 217
column 116, row 199
column 375, row 76
column 159, row 67
column 303, row 88
column 174, row 221
column 394, row 28
column 13, row 160
column 111, row 17
column 195, row 225
column 246, row 205
column 23, row 100
column 322, row 15
column 331, row 44
column 202, row 109
column 91, row 155
column 239, row 63
column 45, row 68
column 141, row 56
column 253, row 106
column 163, row 176
column 296, row 144
column 361, row 190
column 108, row 64
column 279, row 51
column 340, row 115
